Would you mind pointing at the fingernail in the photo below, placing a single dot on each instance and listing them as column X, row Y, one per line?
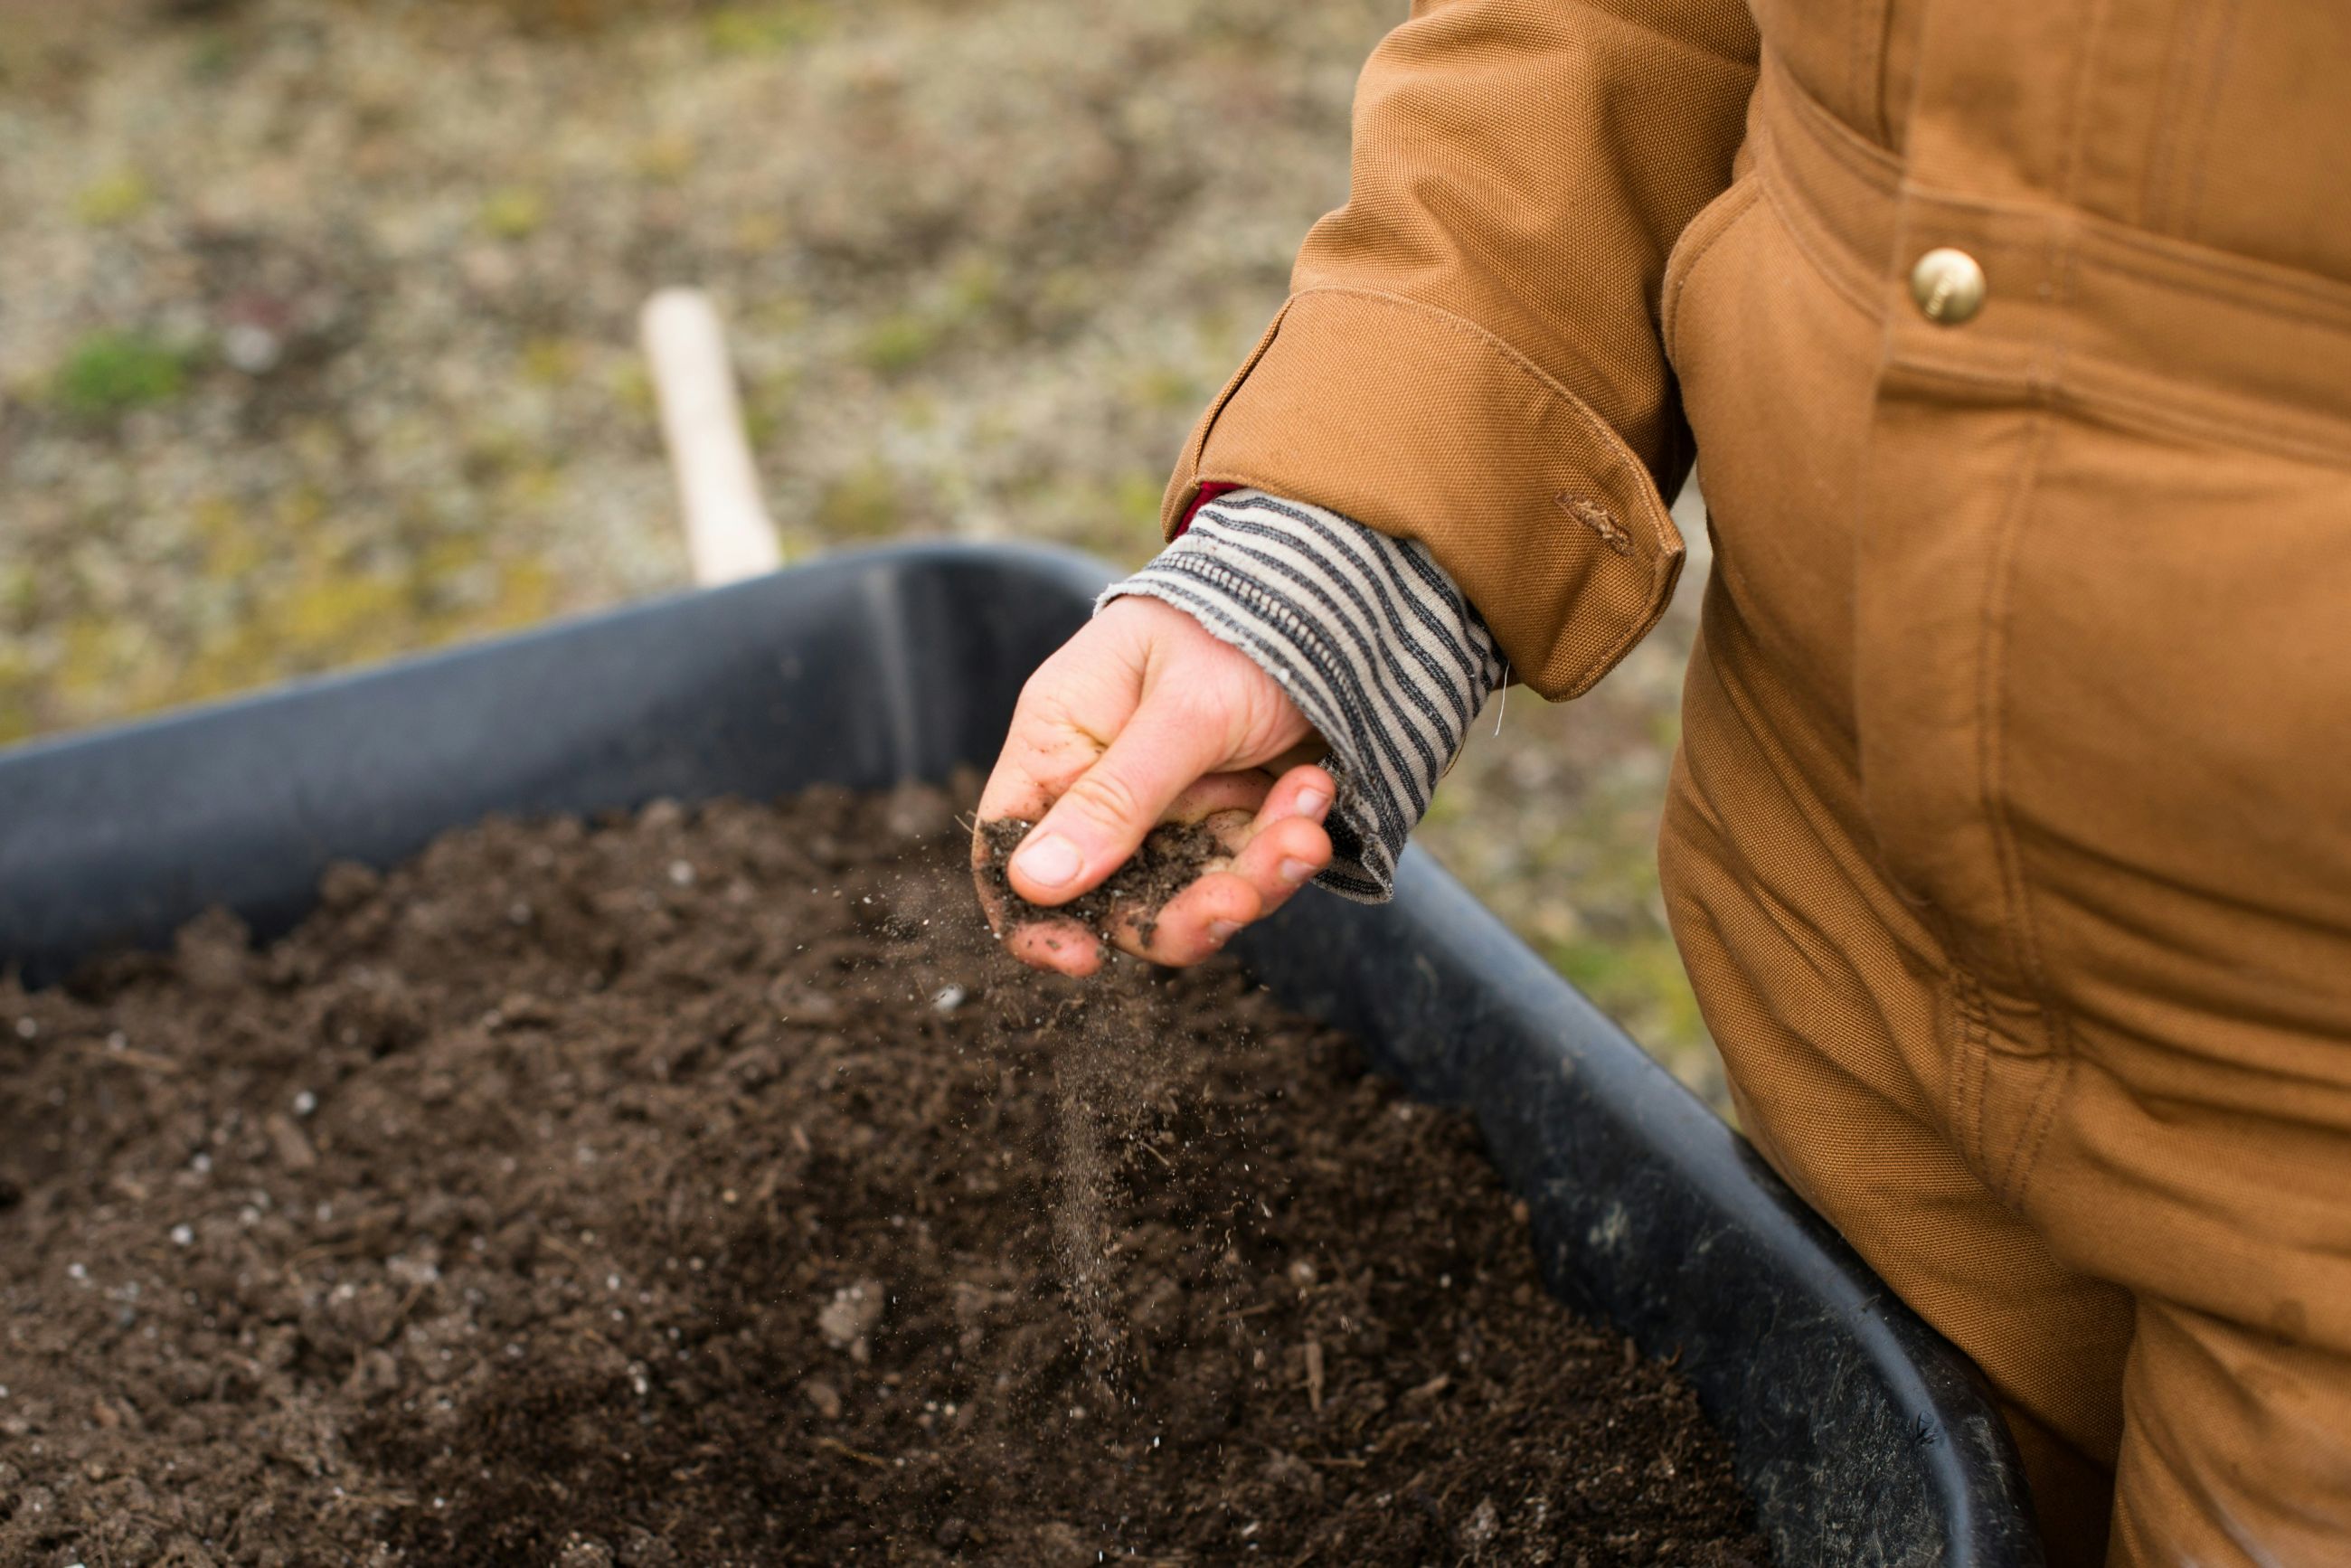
column 1295, row 872
column 1049, row 861
column 1221, row 931
column 1312, row 801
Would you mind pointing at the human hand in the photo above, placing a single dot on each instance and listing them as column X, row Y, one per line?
column 1142, row 717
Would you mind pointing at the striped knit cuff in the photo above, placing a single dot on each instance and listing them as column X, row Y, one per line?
column 1369, row 637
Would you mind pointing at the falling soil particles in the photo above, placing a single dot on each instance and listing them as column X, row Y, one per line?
column 1171, row 858
column 706, row 1188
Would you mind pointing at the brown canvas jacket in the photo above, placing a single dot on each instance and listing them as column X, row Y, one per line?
column 1474, row 353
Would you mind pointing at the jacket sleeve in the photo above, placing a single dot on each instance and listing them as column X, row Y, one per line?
column 1469, row 356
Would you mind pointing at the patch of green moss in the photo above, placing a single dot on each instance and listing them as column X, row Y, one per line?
column 899, row 341
column 549, row 361
column 513, row 213
column 114, row 198
column 110, row 373
column 763, row 29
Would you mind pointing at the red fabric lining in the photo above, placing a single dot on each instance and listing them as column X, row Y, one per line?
column 1208, row 492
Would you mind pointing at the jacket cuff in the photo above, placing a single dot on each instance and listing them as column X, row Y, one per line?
column 1368, row 635
column 1424, row 426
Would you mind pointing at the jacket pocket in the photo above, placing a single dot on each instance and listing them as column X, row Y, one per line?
column 1713, row 221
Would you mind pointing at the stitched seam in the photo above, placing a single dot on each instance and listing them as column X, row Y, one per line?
column 1964, row 1066
column 2042, row 1117
column 1993, row 689
column 1664, row 573
column 2192, row 273
column 1982, row 1080
column 2069, row 173
column 1197, row 448
column 2313, row 305
column 2192, row 216
column 1874, row 166
column 1879, row 98
column 2189, row 268
column 1992, row 704
column 2251, row 431
column 2205, row 277
column 1612, row 443
column 2155, row 189
column 2169, row 418
column 1734, row 214
column 1797, row 220
column 1853, row 56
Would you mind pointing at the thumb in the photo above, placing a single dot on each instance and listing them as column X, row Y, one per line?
column 1101, row 817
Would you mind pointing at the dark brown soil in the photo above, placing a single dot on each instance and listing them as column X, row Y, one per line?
column 1171, row 858
column 706, row 1188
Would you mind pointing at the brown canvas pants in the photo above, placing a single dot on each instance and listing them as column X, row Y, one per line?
column 2010, row 847
column 2010, row 850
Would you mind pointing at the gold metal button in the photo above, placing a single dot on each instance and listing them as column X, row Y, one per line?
column 1949, row 286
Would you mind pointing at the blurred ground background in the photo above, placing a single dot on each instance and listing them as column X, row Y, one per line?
column 318, row 339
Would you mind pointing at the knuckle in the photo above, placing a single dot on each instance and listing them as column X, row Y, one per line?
column 1106, row 798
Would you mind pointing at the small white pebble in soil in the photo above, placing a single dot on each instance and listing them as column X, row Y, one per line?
column 202, row 1162
column 183, row 1236
column 26, row 1027
column 948, row 999
column 852, row 1313
column 681, row 872
column 305, row 1102
column 76, row 1272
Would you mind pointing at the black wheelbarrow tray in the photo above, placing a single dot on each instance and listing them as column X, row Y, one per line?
column 1862, row 1437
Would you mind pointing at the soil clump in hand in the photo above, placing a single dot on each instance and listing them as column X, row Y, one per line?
column 1172, row 857
column 687, row 1187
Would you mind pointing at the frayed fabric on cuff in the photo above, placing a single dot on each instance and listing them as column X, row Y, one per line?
column 1370, row 637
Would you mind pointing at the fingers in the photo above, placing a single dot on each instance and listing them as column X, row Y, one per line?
column 1288, row 846
column 1104, row 813
column 1279, row 852
column 1063, row 945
